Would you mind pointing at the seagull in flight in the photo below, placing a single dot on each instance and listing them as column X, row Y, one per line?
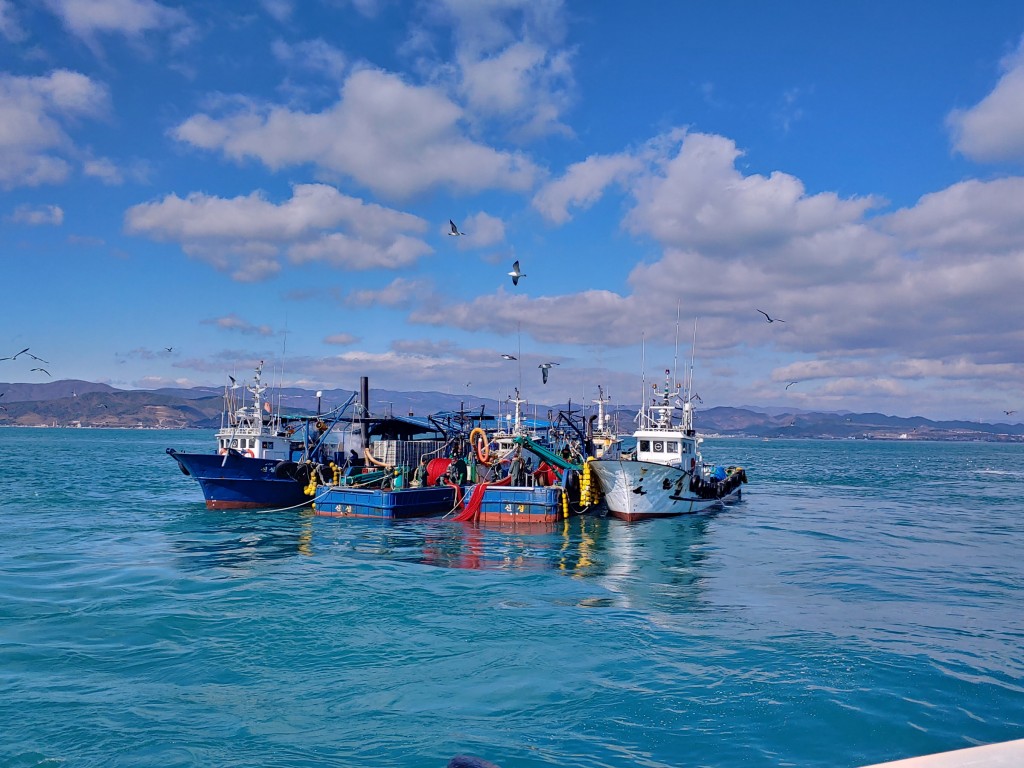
column 544, row 370
column 792, row 382
column 515, row 273
column 509, row 357
column 771, row 319
column 454, row 229
column 44, row 362
column 40, row 369
column 169, row 349
column 1009, row 413
column 15, row 357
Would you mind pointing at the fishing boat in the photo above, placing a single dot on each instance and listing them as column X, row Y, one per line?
column 262, row 460
column 664, row 474
column 510, row 490
column 409, row 467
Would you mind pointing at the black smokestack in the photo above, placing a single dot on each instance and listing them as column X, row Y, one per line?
column 364, row 399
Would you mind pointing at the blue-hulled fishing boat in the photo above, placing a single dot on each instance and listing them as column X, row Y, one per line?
column 263, row 460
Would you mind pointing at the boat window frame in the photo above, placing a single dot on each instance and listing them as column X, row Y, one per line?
column 644, row 446
column 657, row 446
column 672, row 446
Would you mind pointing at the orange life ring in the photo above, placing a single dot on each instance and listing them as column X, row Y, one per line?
column 250, row 453
column 483, row 452
column 222, row 451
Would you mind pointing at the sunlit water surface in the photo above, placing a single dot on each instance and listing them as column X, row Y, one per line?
column 861, row 603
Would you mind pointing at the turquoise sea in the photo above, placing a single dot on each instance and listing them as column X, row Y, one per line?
column 863, row 602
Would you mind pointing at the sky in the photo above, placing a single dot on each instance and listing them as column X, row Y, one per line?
column 187, row 188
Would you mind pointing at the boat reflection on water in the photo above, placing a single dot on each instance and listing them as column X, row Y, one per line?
column 573, row 545
column 660, row 565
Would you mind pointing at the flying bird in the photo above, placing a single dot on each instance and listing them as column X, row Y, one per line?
column 169, row 349
column 454, row 229
column 44, row 362
column 791, row 384
column 771, row 319
column 40, row 369
column 15, row 357
column 509, row 357
column 544, row 370
column 515, row 273
column 1009, row 413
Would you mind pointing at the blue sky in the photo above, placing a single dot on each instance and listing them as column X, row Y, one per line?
column 273, row 180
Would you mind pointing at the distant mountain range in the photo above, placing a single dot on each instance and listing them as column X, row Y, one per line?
column 74, row 403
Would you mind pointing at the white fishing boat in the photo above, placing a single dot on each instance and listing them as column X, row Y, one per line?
column 665, row 474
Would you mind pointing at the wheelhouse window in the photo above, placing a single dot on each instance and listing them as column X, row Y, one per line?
column 672, row 446
column 268, row 446
column 645, row 445
column 659, row 446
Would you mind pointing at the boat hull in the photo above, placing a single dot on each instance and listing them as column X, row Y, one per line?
column 240, row 482
column 524, row 505
column 640, row 490
column 394, row 504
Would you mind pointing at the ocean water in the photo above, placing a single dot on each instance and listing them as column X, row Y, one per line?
column 863, row 602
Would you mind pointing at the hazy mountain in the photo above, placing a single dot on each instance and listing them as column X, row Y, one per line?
column 82, row 403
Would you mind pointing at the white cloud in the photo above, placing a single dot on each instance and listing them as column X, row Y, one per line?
column 509, row 63
column 232, row 322
column 394, row 138
column 480, row 230
column 38, row 215
column 9, row 26
column 280, row 10
column 341, row 339
column 400, row 292
column 34, row 146
column 966, row 218
column 993, row 129
column 248, row 236
column 312, row 55
column 866, row 297
column 131, row 18
column 583, row 184
column 697, row 198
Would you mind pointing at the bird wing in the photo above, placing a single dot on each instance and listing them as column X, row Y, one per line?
column 515, row 265
column 515, row 279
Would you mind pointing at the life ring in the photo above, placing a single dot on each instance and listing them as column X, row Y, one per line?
column 222, row 451
column 248, row 452
column 483, row 452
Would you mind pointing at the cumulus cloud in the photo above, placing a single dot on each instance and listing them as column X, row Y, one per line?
column 697, row 198
column 993, row 129
column 394, row 138
column 38, row 215
column 249, row 236
column 936, row 281
column 510, row 63
column 35, row 148
column 481, row 230
column 583, row 184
